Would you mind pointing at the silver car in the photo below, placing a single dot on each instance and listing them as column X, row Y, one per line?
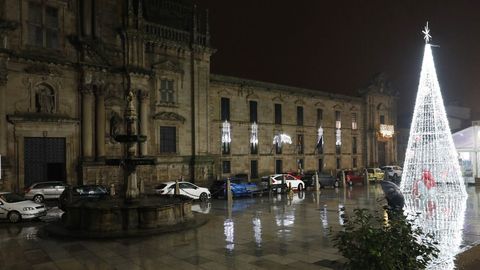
column 40, row 191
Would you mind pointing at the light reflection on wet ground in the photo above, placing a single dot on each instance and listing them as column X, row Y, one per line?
column 268, row 232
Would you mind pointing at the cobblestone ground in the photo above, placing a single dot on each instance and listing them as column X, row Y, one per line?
column 268, row 232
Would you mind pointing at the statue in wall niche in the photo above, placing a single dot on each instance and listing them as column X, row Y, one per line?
column 45, row 99
column 115, row 122
column 205, row 173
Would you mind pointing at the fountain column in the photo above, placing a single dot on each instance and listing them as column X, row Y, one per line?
column 132, row 191
column 100, row 123
column 144, row 100
column 87, row 120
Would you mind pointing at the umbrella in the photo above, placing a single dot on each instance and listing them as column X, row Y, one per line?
column 393, row 195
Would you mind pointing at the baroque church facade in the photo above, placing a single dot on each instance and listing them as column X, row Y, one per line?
column 65, row 69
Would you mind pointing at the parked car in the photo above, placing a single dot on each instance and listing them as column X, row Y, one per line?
column 185, row 188
column 324, row 179
column 38, row 192
column 239, row 188
column 84, row 192
column 351, row 177
column 296, row 175
column 392, row 170
column 15, row 208
column 276, row 181
column 375, row 174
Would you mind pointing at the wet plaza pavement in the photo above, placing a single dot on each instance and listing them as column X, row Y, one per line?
column 268, row 232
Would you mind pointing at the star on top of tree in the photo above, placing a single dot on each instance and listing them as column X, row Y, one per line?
column 426, row 32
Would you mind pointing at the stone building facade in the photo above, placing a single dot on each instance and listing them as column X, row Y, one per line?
column 66, row 66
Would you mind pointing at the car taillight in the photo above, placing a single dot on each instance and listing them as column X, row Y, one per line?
column 27, row 190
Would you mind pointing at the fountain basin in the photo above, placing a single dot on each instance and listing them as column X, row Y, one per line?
column 116, row 218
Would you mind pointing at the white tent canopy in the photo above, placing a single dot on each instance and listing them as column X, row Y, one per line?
column 467, row 143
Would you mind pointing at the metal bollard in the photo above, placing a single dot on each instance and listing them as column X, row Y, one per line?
column 317, row 186
column 229, row 191
column 112, row 190
column 283, row 183
column 177, row 188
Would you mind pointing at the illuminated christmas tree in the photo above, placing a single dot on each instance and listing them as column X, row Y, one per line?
column 431, row 163
column 432, row 183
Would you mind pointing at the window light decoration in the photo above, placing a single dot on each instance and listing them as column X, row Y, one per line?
column 226, row 135
column 386, row 131
column 320, row 137
column 338, row 137
column 254, row 135
column 281, row 139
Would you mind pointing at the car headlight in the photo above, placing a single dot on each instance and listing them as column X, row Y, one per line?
column 28, row 209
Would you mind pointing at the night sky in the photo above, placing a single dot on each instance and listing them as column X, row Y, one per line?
column 337, row 46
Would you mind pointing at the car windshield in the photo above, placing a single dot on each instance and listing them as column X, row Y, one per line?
column 12, row 198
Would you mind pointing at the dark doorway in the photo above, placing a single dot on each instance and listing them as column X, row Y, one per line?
column 44, row 160
column 381, row 153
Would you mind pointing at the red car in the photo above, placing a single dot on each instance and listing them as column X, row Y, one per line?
column 352, row 177
column 295, row 174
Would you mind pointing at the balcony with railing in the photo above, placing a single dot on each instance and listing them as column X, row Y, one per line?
column 160, row 32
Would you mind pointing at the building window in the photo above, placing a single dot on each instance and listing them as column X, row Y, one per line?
column 299, row 116
column 382, row 119
column 300, row 165
column 338, row 120
column 225, row 109
column 43, row 26
column 319, row 116
column 226, row 166
column 278, row 114
column 253, row 149
column 320, row 148
column 278, row 148
column 278, row 166
column 338, row 163
column 166, row 91
column 168, row 140
column 354, row 163
column 300, row 146
column 338, row 141
column 320, row 165
column 225, row 148
column 354, row 145
column 354, row 121
column 254, row 169
column 253, row 112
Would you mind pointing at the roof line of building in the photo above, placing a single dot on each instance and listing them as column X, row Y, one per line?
column 275, row 86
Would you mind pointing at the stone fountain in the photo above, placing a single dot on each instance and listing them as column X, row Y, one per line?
column 132, row 213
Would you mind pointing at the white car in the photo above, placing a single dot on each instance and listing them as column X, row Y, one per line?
column 276, row 179
column 186, row 188
column 393, row 171
column 15, row 208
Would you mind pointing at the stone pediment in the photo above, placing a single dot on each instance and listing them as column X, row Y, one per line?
column 319, row 104
column 169, row 66
column 169, row 116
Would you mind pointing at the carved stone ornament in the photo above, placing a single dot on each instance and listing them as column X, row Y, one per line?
column 169, row 116
column 42, row 69
column 168, row 65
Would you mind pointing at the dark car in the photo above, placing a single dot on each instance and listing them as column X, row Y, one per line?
column 85, row 192
column 324, row 179
column 239, row 188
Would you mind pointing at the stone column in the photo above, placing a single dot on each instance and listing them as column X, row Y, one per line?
column 86, row 17
column 3, row 117
column 100, row 123
column 144, row 101
column 87, row 122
